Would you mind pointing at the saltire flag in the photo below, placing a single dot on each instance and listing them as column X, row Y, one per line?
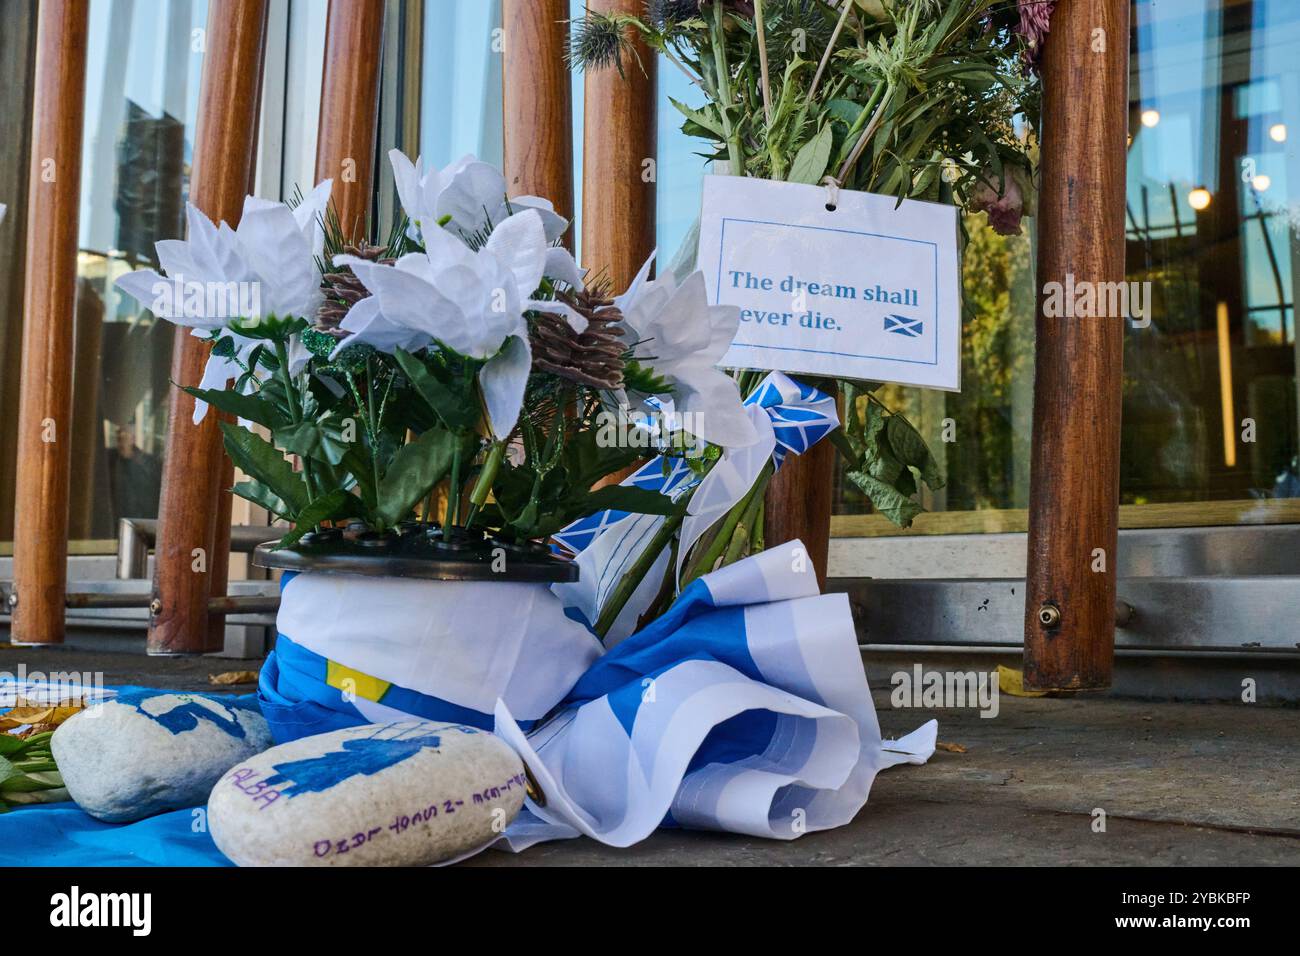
column 902, row 325
column 744, row 708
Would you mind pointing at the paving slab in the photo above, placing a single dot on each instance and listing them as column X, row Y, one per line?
column 1180, row 783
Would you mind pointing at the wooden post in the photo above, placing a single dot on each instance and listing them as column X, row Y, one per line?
column 349, row 108
column 1074, row 486
column 192, row 468
column 50, row 283
column 538, row 103
column 798, row 504
column 619, row 161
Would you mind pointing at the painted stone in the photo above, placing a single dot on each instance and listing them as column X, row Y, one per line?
column 146, row 752
column 403, row 793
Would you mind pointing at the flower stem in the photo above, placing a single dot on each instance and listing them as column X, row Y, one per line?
column 453, row 489
column 704, row 562
column 826, row 55
column 719, row 43
column 761, row 37
column 625, row 588
column 486, row 475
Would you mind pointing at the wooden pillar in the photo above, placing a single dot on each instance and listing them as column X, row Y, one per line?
column 1074, row 486
column 188, row 540
column 17, row 76
column 219, row 571
column 619, row 161
column 349, row 108
column 798, row 504
column 538, row 102
column 50, row 283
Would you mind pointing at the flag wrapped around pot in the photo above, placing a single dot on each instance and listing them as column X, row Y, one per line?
column 356, row 649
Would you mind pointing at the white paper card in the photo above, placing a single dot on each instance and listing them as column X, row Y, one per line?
column 866, row 291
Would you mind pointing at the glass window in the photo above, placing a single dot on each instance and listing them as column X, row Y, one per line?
column 1210, row 418
column 142, row 85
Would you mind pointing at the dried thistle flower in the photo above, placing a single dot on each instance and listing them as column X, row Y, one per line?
column 664, row 13
column 599, row 41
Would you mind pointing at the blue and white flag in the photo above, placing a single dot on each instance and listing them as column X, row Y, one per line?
column 744, row 708
column 788, row 416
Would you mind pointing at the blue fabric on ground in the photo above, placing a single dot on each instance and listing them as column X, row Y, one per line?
column 61, row 834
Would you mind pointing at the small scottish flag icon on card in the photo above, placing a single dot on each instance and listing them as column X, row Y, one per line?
column 902, row 325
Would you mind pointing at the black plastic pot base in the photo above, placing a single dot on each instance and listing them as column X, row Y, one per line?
column 419, row 551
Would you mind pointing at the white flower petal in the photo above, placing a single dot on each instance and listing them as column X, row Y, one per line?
column 520, row 244
column 281, row 256
column 625, row 301
column 561, row 265
column 309, row 212
column 370, row 327
column 149, row 289
column 552, row 222
column 503, row 380
column 406, row 177
column 717, row 415
column 474, row 192
column 216, row 373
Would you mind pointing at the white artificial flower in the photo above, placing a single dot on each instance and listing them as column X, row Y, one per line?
column 266, row 267
column 681, row 338
column 470, row 302
column 470, row 194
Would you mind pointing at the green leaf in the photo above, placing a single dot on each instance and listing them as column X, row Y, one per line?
column 888, row 500
column 456, row 411
column 846, row 111
column 709, row 121
column 322, row 441
column 262, row 496
column 414, row 470
column 324, row 508
column 912, row 450
column 810, row 162
column 629, row 498
column 264, row 462
column 254, row 408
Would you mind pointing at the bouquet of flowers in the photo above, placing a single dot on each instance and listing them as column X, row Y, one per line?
column 922, row 99
column 462, row 377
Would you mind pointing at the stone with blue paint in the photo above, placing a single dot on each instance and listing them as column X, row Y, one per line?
column 404, row 793
column 146, row 752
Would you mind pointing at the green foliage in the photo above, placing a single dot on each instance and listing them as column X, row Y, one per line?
column 906, row 93
column 28, row 773
column 887, row 457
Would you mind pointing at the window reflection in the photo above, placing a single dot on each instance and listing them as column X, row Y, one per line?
column 141, row 95
column 1210, row 401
